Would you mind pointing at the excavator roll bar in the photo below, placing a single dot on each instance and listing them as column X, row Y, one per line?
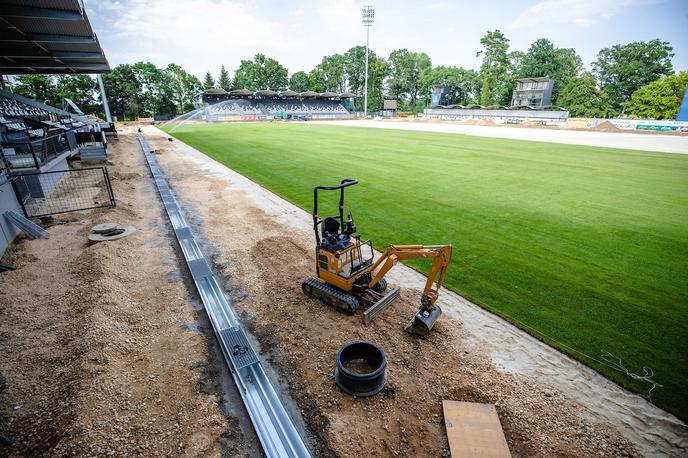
column 346, row 182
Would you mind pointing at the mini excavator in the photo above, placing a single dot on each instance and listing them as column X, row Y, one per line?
column 348, row 276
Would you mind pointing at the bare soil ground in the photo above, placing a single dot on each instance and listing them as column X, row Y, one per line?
column 264, row 262
column 606, row 126
column 675, row 142
column 103, row 352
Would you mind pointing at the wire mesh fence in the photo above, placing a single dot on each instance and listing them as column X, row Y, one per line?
column 61, row 191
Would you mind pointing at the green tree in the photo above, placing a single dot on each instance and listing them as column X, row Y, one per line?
column 328, row 75
column 261, row 73
column 582, row 98
column 516, row 62
column 123, row 89
column 660, row 99
column 544, row 59
column 156, row 90
column 37, row 87
column 81, row 89
column 623, row 69
column 405, row 70
column 354, row 71
column 354, row 68
column 186, row 88
column 494, row 70
column 378, row 71
column 208, row 81
column 464, row 85
column 223, row 81
column 299, row 82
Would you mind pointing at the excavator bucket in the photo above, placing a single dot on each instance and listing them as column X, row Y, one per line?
column 423, row 321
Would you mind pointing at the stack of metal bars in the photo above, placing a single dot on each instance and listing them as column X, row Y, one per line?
column 31, row 229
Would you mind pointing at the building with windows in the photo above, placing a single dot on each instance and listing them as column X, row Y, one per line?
column 533, row 92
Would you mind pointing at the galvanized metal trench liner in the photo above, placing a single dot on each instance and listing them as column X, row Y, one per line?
column 276, row 431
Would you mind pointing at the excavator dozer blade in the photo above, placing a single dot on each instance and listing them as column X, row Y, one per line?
column 422, row 322
column 375, row 309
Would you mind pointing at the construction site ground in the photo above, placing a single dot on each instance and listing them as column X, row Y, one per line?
column 605, row 135
column 107, row 350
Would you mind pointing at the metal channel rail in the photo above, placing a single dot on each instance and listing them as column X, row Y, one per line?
column 275, row 429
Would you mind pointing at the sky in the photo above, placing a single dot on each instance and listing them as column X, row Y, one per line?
column 201, row 35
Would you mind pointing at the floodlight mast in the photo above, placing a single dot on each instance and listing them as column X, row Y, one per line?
column 368, row 16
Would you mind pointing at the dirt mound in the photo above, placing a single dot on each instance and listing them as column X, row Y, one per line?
column 533, row 124
column 606, row 126
column 265, row 263
column 104, row 355
column 478, row 122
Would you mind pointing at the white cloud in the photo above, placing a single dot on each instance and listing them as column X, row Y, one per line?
column 200, row 35
column 583, row 13
column 196, row 34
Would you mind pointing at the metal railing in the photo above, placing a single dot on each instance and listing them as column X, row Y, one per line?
column 62, row 191
column 33, row 154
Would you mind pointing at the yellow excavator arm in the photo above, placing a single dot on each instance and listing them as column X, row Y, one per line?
column 441, row 255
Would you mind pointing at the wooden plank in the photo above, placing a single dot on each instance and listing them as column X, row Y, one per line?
column 474, row 430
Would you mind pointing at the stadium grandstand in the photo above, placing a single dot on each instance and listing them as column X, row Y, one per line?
column 33, row 134
column 245, row 105
column 38, row 141
column 547, row 116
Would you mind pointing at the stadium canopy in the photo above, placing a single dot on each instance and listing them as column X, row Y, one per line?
column 266, row 93
column 48, row 36
column 215, row 90
column 347, row 95
column 329, row 94
column 309, row 94
column 241, row 92
column 289, row 93
column 536, row 79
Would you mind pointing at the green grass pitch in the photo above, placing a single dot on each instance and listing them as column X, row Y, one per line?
column 585, row 248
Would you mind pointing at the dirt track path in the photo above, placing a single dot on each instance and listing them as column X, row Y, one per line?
column 102, row 350
column 548, row 404
column 647, row 142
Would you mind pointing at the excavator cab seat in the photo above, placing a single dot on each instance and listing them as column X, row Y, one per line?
column 332, row 239
column 330, row 226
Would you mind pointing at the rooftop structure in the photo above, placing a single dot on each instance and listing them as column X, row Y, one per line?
column 533, row 92
column 48, row 36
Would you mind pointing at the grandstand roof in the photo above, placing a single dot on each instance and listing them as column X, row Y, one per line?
column 535, row 79
column 328, row 94
column 266, row 93
column 289, row 93
column 48, row 36
column 240, row 92
column 309, row 94
column 347, row 95
column 215, row 90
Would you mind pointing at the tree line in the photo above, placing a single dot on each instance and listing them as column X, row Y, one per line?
column 634, row 79
column 133, row 91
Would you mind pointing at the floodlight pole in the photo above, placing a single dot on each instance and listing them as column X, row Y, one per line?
column 368, row 16
column 106, row 107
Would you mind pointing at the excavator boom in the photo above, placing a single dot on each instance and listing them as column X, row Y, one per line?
column 428, row 313
column 441, row 255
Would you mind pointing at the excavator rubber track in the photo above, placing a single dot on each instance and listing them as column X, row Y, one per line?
column 330, row 295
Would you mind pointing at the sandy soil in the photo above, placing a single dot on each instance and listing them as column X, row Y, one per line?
column 107, row 353
column 103, row 352
column 264, row 251
column 605, row 138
